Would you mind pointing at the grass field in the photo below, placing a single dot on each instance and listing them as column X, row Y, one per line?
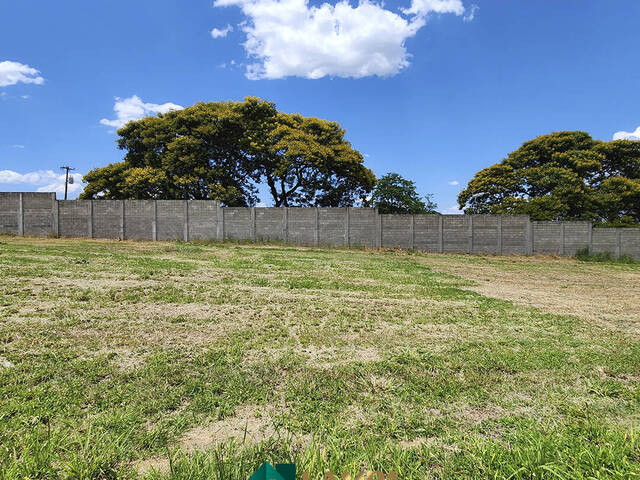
column 201, row 361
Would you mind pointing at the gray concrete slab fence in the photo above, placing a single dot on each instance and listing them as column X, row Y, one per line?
column 42, row 214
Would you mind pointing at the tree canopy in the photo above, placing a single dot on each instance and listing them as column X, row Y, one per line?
column 562, row 176
column 395, row 194
column 224, row 150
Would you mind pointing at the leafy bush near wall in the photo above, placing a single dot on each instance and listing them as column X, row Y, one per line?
column 604, row 257
column 618, row 224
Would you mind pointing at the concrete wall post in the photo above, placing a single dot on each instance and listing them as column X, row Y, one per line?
column 378, row 229
column 412, row 238
column 618, row 243
column 122, row 220
column 185, row 218
column 20, row 214
column 219, row 222
column 154, row 221
column 470, row 245
column 590, row 237
column 347, row 240
column 54, row 215
column 90, row 218
column 562, row 242
column 285, row 224
column 441, row 233
column 316, row 229
column 253, row 224
column 499, row 227
column 529, row 236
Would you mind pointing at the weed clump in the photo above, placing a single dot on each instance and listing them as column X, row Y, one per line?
column 584, row 255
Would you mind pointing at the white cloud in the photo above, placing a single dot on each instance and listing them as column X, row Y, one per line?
column 18, row 146
column 471, row 13
column 221, row 33
column 292, row 38
column 423, row 7
column 14, row 72
column 44, row 180
column 627, row 135
column 133, row 108
column 454, row 183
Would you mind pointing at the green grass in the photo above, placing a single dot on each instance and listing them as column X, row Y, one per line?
column 204, row 360
column 603, row 257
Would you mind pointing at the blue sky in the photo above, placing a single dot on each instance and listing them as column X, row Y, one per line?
column 432, row 89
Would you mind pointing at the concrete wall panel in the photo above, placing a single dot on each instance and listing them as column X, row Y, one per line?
column 73, row 218
column 301, row 226
column 237, row 223
column 38, row 213
column 107, row 215
column 270, row 224
column 456, row 233
column 362, row 227
column 138, row 223
column 576, row 237
column 332, row 226
column 170, row 223
column 547, row 238
column 630, row 242
column 9, row 209
column 514, row 234
column 427, row 233
column 203, row 219
column 486, row 234
column 396, row 231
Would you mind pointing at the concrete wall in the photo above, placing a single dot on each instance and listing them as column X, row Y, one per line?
column 41, row 214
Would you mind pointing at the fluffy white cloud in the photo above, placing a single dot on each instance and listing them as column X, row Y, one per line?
column 627, row 135
column 44, row 180
column 220, row 33
column 292, row 38
column 133, row 108
column 14, row 72
column 454, row 183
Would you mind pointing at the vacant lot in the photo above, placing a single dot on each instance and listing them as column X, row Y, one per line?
column 121, row 359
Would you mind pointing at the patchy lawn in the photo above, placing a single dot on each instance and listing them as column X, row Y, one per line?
column 201, row 361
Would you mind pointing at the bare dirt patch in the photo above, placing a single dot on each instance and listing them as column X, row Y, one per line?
column 250, row 424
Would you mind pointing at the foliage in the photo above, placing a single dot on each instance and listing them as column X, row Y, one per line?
column 585, row 255
column 395, row 194
column 564, row 175
column 222, row 150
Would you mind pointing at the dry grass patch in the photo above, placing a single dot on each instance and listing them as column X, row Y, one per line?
column 556, row 285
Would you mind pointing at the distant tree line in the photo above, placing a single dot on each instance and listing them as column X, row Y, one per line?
column 225, row 150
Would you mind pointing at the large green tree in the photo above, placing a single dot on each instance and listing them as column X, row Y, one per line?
column 223, row 150
column 564, row 175
column 395, row 194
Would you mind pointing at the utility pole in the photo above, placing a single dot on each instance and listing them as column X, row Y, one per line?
column 66, row 180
